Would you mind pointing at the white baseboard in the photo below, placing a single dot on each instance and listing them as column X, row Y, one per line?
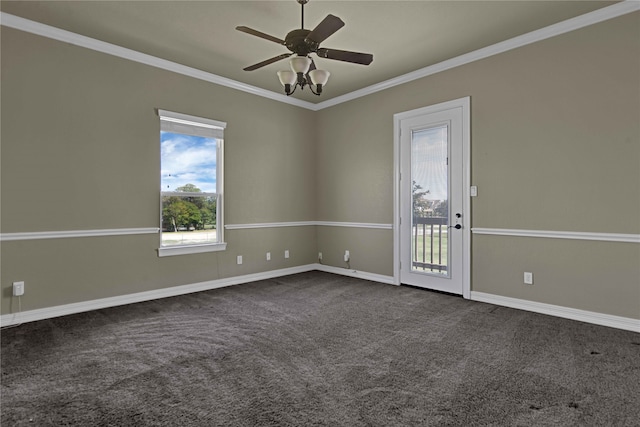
column 618, row 322
column 601, row 319
column 354, row 273
column 79, row 307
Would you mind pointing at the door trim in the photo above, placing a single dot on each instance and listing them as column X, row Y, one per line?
column 465, row 104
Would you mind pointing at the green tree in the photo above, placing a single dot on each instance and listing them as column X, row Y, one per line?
column 188, row 188
column 420, row 202
column 189, row 211
column 191, row 188
column 442, row 210
column 174, row 213
column 194, row 217
column 207, row 216
column 177, row 212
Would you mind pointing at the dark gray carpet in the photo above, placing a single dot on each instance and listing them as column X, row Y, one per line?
column 317, row 349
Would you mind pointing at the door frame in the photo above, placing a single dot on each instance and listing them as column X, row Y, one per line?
column 465, row 104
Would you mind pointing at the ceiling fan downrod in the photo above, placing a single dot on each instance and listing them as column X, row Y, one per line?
column 302, row 3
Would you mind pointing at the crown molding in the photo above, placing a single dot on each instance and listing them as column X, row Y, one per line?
column 600, row 15
column 58, row 34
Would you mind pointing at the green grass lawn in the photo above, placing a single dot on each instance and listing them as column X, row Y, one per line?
column 440, row 248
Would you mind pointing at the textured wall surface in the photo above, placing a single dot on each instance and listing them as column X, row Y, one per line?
column 81, row 151
column 555, row 145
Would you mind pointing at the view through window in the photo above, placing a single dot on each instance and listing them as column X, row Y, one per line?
column 191, row 187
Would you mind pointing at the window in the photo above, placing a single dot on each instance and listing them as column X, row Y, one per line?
column 191, row 156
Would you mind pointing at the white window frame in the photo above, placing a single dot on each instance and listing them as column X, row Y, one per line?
column 197, row 126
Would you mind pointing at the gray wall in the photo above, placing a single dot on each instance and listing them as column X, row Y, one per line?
column 555, row 146
column 81, row 150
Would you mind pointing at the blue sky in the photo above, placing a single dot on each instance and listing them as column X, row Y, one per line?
column 187, row 159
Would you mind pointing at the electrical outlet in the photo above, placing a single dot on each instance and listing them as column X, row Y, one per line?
column 286, row 253
column 347, row 256
column 268, row 256
column 320, row 256
column 239, row 259
column 18, row 289
column 528, row 278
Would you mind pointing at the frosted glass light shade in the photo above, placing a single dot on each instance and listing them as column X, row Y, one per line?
column 300, row 64
column 319, row 77
column 287, row 77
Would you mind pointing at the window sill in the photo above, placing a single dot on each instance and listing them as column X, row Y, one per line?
column 191, row 249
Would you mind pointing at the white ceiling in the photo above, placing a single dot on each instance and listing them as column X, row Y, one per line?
column 403, row 36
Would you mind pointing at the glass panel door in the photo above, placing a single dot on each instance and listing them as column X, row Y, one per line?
column 431, row 220
column 430, row 200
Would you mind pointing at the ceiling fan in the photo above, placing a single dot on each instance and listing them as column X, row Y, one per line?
column 301, row 43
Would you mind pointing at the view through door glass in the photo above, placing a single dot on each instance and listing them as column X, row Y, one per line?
column 430, row 201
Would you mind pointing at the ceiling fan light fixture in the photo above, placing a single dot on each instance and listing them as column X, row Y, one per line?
column 301, row 43
column 287, row 77
column 288, row 80
column 319, row 77
column 300, row 64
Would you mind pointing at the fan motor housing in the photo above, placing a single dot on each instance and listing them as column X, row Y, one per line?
column 296, row 42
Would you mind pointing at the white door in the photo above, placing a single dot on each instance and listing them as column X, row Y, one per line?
column 432, row 178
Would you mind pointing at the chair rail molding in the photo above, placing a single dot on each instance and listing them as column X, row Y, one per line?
column 37, row 235
column 574, row 235
column 309, row 223
column 65, row 234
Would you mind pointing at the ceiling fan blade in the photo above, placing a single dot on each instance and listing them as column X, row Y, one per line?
column 267, row 62
column 259, row 34
column 344, row 55
column 328, row 26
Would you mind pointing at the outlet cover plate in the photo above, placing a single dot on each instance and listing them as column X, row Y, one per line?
column 18, row 289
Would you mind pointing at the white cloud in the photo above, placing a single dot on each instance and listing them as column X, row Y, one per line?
column 188, row 160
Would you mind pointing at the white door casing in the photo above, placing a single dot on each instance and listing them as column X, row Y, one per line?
column 453, row 118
